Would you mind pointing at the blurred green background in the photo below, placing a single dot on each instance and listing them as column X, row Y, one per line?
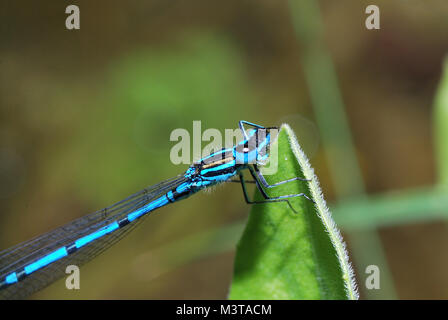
column 86, row 115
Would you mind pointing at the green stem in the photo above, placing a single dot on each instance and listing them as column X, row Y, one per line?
column 336, row 137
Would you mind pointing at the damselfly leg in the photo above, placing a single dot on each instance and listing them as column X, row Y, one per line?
column 260, row 180
column 267, row 198
column 239, row 181
column 255, row 171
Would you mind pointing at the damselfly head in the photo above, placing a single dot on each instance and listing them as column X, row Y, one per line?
column 255, row 148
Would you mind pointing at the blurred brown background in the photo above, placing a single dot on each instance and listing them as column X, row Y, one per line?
column 85, row 118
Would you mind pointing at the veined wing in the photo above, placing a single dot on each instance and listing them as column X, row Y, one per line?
column 15, row 258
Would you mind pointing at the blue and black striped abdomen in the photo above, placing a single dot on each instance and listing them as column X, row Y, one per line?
column 34, row 264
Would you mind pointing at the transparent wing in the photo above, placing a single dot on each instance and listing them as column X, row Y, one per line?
column 15, row 258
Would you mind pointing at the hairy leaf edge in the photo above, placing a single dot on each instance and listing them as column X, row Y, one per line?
column 325, row 216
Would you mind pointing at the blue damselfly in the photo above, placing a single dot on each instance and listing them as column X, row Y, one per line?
column 34, row 264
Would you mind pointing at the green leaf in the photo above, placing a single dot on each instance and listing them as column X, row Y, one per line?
column 441, row 126
column 287, row 255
